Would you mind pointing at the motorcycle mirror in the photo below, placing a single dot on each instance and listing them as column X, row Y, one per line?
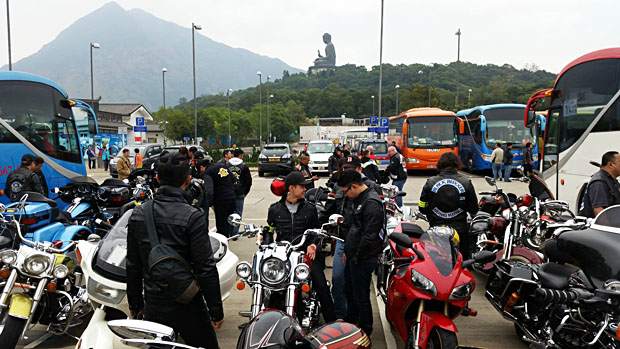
column 490, row 180
column 126, row 181
column 93, row 238
column 401, row 193
column 234, row 219
column 56, row 190
column 138, row 329
column 336, row 219
column 401, row 239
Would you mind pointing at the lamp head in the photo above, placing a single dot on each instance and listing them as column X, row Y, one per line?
column 95, row 45
column 259, row 73
column 197, row 26
column 163, row 70
column 397, row 86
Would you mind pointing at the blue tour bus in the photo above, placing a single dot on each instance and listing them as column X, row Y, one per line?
column 36, row 117
column 480, row 128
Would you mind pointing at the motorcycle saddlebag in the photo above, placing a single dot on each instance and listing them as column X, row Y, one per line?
column 34, row 215
column 116, row 196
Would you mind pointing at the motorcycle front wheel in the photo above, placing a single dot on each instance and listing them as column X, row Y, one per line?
column 438, row 339
column 13, row 328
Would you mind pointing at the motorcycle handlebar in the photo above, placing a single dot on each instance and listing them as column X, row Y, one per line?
column 562, row 296
column 487, row 192
column 403, row 260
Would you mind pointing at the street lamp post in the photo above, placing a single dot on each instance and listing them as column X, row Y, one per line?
column 92, row 93
column 373, row 105
column 228, row 100
column 469, row 98
column 8, row 31
column 269, row 96
column 397, row 87
column 458, row 60
column 260, row 108
column 194, row 28
column 380, row 60
column 420, row 72
column 430, row 85
column 163, row 85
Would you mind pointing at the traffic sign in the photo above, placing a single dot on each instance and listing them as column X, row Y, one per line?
column 139, row 121
column 372, row 129
column 382, row 129
column 373, row 121
column 122, row 130
column 186, row 138
column 384, row 122
column 139, row 129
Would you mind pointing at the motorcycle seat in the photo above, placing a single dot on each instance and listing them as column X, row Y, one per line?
column 555, row 276
column 411, row 229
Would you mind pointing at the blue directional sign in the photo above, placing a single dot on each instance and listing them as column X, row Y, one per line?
column 140, row 122
column 383, row 129
column 384, row 122
column 186, row 138
column 139, row 129
column 373, row 120
column 372, row 129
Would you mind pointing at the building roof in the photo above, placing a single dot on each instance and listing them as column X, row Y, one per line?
column 121, row 109
column 110, row 124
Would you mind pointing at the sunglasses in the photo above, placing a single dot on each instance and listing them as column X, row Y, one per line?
column 346, row 191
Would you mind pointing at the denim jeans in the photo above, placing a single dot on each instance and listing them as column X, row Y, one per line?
column 340, row 300
column 400, row 184
column 357, row 288
column 238, row 210
column 507, row 171
column 497, row 170
column 105, row 165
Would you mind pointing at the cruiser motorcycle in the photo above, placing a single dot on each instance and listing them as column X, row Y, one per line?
column 280, row 275
column 573, row 301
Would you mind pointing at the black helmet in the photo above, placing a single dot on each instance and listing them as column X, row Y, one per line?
column 196, row 191
column 271, row 326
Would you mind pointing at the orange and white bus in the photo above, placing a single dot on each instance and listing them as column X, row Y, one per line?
column 427, row 134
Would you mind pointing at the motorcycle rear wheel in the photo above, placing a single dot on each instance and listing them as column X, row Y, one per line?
column 13, row 328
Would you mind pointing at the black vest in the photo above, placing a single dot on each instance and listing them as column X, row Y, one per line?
column 613, row 197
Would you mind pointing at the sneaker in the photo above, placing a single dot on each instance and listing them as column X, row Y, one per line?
column 507, row 180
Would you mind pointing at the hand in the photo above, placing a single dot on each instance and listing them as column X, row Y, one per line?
column 259, row 238
column 344, row 258
column 217, row 324
column 139, row 314
column 311, row 251
column 315, row 178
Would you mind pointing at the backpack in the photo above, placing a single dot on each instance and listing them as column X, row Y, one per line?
column 236, row 179
column 17, row 183
column 169, row 270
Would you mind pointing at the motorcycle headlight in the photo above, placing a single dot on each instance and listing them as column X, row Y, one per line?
column 506, row 214
column 8, row 257
column 273, row 270
column 263, row 156
column 462, row 292
column 302, row 272
column 532, row 217
column 36, row 264
column 104, row 293
column 244, row 269
column 60, row 271
column 423, row 283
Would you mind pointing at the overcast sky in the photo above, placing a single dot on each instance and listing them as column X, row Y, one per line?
column 548, row 33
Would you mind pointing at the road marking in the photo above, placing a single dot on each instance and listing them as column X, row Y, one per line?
column 390, row 343
column 39, row 340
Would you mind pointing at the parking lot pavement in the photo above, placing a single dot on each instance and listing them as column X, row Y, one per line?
column 488, row 329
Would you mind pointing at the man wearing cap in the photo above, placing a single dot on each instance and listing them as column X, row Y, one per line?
column 304, row 160
column 196, row 159
column 23, row 179
column 242, row 181
column 332, row 165
column 223, row 196
column 397, row 171
column 289, row 218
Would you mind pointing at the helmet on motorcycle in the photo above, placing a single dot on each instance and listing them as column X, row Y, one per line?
column 195, row 190
column 445, row 230
column 271, row 326
column 278, row 187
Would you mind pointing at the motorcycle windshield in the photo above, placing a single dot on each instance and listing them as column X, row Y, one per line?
column 438, row 244
column 84, row 179
column 112, row 253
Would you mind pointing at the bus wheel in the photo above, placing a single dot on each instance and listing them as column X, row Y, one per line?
column 470, row 164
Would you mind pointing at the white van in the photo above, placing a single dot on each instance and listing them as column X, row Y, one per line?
column 320, row 151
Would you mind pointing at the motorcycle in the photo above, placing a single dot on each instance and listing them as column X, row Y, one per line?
column 573, row 301
column 271, row 328
column 103, row 263
column 428, row 287
column 40, row 284
column 280, row 275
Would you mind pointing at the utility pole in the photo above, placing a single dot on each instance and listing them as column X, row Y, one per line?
column 381, row 59
column 8, row 30
column 458, row 60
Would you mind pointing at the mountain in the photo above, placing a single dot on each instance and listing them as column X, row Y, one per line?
column 135, row 46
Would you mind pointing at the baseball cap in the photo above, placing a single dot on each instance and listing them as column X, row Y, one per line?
column 199, row 155
column 295, row 178
column 351, row 162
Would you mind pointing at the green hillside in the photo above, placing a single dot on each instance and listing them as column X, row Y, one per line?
column 298, row 99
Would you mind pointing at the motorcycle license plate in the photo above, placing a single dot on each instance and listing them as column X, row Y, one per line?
column 274, row 159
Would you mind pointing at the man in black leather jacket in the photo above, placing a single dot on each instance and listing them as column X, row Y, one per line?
column 603, row 188
column 289, row 218
column 182, row 227
column 332, row 163
column 447, row 198
column 362, row 248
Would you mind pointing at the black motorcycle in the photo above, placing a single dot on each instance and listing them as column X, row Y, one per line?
column 574, row 300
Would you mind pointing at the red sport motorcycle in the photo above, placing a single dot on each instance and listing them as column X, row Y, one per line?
column 429, row 286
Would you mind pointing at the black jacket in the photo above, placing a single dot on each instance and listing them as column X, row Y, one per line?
column 447, row 198
column 332, row 165
column 307, row 172
column 240, row 169
column 370, row 169
column 507, row 157
column 183, row 227
column 365, row 238
column 20, row 181
column 396, row 168
column 222, row 182
column 207, row 186
column 613, row 193
column 290, row 227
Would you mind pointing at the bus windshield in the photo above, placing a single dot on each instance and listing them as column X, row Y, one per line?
column 431, row 132
column 34, row 110
column 505, row 125
column 314, row 148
